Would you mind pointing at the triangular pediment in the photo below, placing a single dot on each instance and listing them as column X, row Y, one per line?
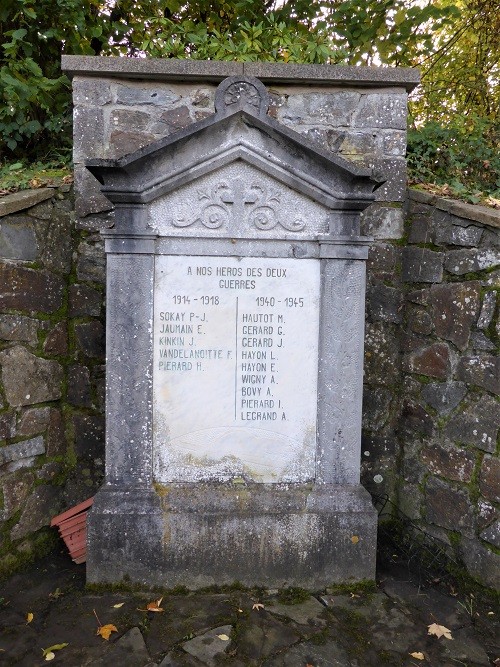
column 243, row 134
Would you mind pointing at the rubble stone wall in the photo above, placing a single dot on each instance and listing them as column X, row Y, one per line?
column 52, row 367
column 432, row 375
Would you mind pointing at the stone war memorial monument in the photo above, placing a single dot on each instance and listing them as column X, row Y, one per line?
column 235, row 323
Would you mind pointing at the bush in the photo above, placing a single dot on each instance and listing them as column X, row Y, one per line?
column 463, row 155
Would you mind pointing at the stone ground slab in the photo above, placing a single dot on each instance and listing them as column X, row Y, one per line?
column 358, row 629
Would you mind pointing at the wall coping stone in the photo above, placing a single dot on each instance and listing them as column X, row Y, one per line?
column 18, row 201
column 483, row 214
column 171, row 69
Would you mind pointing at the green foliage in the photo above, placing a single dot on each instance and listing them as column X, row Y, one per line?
column 455, row 42
column 20, row 176
column 463, row 155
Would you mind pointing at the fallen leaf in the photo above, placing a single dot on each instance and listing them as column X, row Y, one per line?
column 117, row 606
column 418, row 655
column 56, row 594
column 353, row 595
column 439, row 631
column 354, row 539
column 224, row 638
column 153, row 606
column 51, row 649
column 257, row 606
column 29, row 617
column 106, row 630
column 50, row 656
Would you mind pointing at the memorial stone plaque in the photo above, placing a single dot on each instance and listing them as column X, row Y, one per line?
column 235, row 312
column 232, row 336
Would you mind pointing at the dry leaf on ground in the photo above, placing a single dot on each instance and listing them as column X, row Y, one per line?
column 418, row 655
column 29, row 617
column 439, row 631
column 153, row 606
column 224, row 638
column 257, row 606
column 117, row 606
column 106, row 630
column 48, row 653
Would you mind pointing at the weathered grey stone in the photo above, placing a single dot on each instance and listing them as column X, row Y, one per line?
column 91, row 263
column 382, row 222
column 56, row 342
column 381, row 110
column 481, row 343
column 376, row 402
column 481, row 371
column 333, row 109
column 89, row 436
column 26, row 289
column 310, row 612
column 15, row 488
column 460, row 262
column 91, row 92
column 487, row 310
column 455, row 308
column 123, row 143
column 382, row 260
column 449, row 507
column 130, row 650
column 394, row 143
column 481, row 562
column 56, row 436
column 56, row 254
column 421, row 265
column 84, row 300
column 447, row 461
column 384, row 304
column 433, row 361
column 28, row 379
column 477, row 425
column 18, row 327
column 34, row 420
column 8, row 425
column 360, row 146
column 50, row 471
column 79, row 386
column 456, row 234
column 88, row 133
column 418, row 320
column 393, row 172
column 172, row 120
column 415, row 419
column 129, row 119
column 209, row 647
column 22, row 450
column 444, row 396
column 43, row 504
column 489, row 478
column 18, row 241
column 149, row 94
column 330, row 654
column 89, row 199
column 90, row 338
column 382, row 361
column 18, row 201
column 486, row 513
column 421, row 230
column 420, row 296
column 492, row 534
column 265, row 636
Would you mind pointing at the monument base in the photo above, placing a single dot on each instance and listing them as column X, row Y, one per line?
column 197, row 535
